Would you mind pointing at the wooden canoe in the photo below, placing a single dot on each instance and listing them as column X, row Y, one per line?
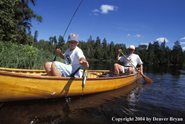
column 23, row 84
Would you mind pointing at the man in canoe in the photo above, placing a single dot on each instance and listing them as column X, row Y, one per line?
column 128, row 67
column 74, row 59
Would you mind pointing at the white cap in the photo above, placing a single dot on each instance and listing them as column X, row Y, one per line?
column 131, row 47
column 73, row 37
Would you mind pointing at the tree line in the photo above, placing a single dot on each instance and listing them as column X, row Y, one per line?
column 15, row 24
column 154, row 53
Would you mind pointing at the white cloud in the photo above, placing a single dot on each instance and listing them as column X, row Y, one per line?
column 129, row 35
column 161, row 39
column 106, row 8
column 95, row 10
column 182, row 42
column 138, row 35
column 183, row 48
column 182, row 38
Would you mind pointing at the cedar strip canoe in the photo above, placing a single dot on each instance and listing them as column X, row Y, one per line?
column 23, row 84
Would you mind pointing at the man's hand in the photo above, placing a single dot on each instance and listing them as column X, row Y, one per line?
column 120, row 50
column 117, row 57
column 141, row 72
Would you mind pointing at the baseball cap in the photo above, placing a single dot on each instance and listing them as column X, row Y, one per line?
column 131, row 47
column 73, row 37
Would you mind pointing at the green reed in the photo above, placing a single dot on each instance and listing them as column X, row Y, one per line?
column 14, row 55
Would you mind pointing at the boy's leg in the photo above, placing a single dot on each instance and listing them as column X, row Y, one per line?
column 54, row 70
column 47, row 67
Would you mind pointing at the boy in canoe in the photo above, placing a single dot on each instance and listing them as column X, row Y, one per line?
column 128, row 67
column 74, row 58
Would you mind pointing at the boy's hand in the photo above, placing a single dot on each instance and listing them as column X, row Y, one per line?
column 84, row 63
column 58, row 51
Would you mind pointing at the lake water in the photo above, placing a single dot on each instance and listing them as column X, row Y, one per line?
column 160, row 102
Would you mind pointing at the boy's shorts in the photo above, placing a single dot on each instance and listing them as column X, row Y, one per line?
column 126, row 68
column 65, row 70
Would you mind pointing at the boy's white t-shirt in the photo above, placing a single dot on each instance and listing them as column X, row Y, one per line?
column 134, row 58
column 72, row 57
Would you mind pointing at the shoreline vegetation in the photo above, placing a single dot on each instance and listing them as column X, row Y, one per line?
column 14, row 55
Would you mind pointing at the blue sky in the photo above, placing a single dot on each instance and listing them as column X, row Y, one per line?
column 131, row 22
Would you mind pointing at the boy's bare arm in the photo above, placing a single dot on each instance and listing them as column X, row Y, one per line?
column 58, row 51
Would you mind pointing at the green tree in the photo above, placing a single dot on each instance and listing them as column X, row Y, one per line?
column 29, row 39
column 124, row 48
column 177, row 53
column 162, row 53
column 61, row 43
column 35, row 36
column 7, row 21
column 15, row 18
column 105, row 54
column 90, row 49
column 55, row 40
column 151, row 54
column 98, row 49
column 183, row 57
column 41, row 45
column 112, row 50
column 24, row 14
column 142, row 52
column 115, row 51
column 157, row 52
column 32, row 1
column 167, row 55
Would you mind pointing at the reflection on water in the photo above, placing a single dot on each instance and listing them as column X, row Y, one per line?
column 163, row 99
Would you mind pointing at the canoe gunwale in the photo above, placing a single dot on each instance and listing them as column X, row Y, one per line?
column 59, row 78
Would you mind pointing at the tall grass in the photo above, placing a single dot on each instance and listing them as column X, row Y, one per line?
column 23, row 56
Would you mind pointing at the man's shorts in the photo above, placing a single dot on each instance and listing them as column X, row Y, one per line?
column 65, row 70
column 126, row 68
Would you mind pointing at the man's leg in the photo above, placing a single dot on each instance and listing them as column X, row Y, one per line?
column 130, row 70
column 117, row 68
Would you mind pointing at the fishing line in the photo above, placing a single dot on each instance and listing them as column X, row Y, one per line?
column 70, row 23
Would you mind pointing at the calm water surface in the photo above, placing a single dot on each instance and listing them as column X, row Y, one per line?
column 160, row 102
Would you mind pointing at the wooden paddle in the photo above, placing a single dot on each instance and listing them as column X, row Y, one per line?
column 147, row 79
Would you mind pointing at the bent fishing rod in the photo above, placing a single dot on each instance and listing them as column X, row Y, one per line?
column 69, row 24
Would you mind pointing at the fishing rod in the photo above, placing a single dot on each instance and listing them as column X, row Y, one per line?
column 70, row 23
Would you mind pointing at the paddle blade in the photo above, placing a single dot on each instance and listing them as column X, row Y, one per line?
column 147, row 79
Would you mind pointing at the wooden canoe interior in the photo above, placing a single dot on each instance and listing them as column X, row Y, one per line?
column 90, row 73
